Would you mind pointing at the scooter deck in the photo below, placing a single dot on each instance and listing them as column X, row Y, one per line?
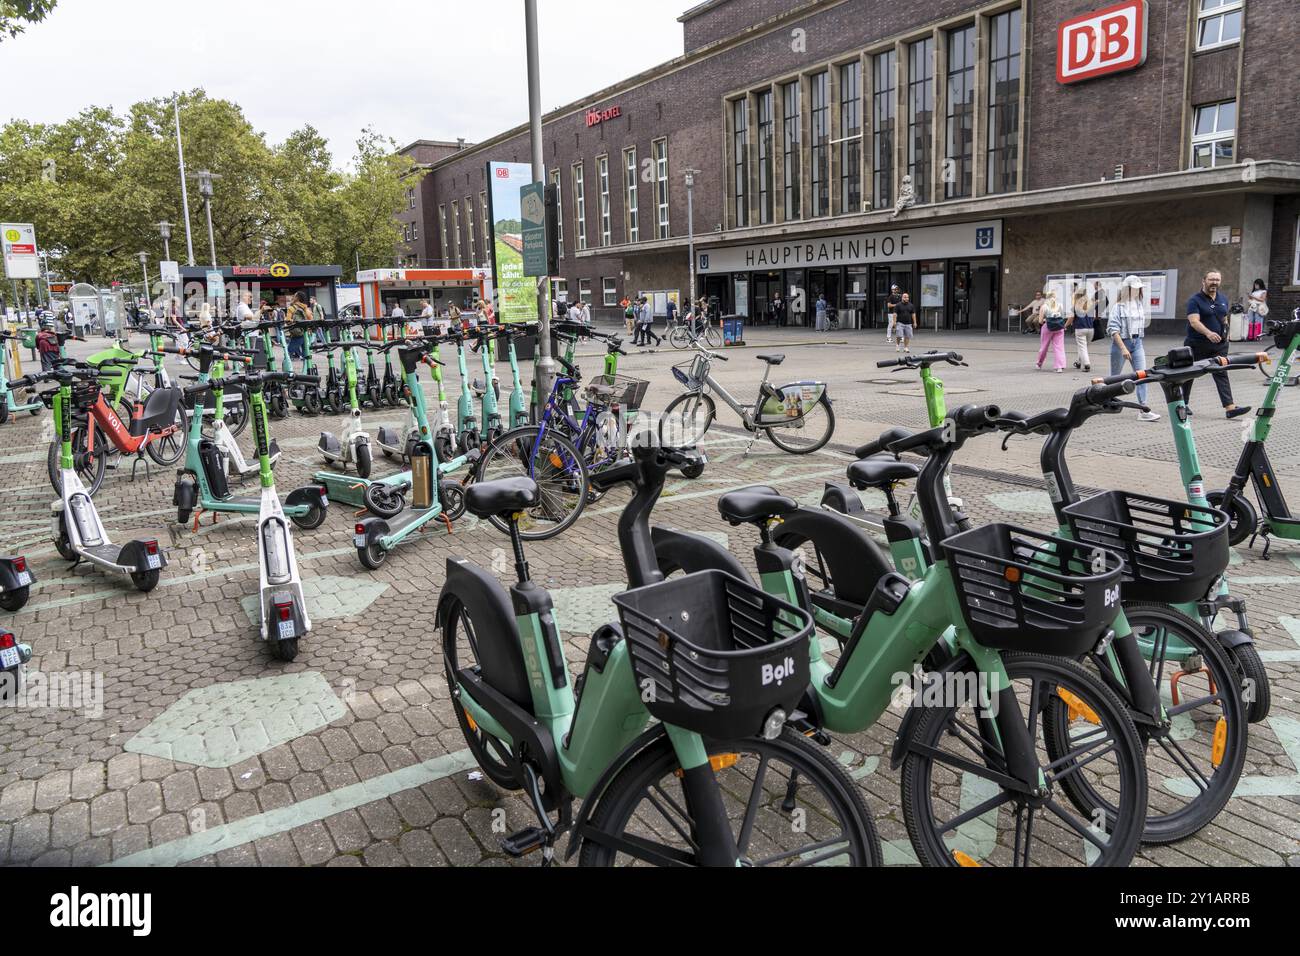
column 409, row 520
column 347, row 489
column 1288, row 528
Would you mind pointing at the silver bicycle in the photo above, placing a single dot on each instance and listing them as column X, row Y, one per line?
column 687, row 332
column 797, row 417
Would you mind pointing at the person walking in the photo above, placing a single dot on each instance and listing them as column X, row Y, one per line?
column 1126, row 325
column 1052, row 334
column 905, row 324
column 672, row 312
column 1081, row 324
column 297, row 313
column 891, row 312
column 820, row 323
column 647, row 320
column 47, row 345
column 1207, row 334
column 778, row 310
column 1257, row 310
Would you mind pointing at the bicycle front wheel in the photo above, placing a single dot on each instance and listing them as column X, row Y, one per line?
column 789, row 804
column 959, row 814
column 168, row 449
column 87, row 460
column 807, row 434
column 686, row 420
column 713, row 337
column 552, row 461
column 679, row 338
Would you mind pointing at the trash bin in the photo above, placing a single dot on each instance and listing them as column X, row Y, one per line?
column 733, row 330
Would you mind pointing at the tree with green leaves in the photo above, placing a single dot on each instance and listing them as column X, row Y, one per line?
column 16, row 14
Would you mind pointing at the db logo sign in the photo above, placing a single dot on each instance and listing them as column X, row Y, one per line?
column 503, row 172
column 1102, row 42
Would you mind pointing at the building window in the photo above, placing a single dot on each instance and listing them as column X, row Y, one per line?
column 415, row 230
column 559, row 211
column 442, row 235
column 818, row 92
column 1214, row 129
column 584, row 290
column 1004, row 103
column 660, row 148
column 406, row 232
column 765, row 157
column 1218, row 23
column 487, row 226
column 609, row 288
column 469, row 229
column 790, row 137
column 602, row 173
column 1295, row 270
column 920, row 116
column 961, row 113
column 739, row 162
column 559, row 290
column 885, row 109
column 455, row 233
column 410, row 198
column 579, row 206
column 851, row 132
column 631, row 221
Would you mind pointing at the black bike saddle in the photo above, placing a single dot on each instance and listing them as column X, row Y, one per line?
column 501, row 497
column 880, row 471
column 740, row 507
column 774, row 359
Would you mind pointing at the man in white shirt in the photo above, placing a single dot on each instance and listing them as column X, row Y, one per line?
column 244, row 311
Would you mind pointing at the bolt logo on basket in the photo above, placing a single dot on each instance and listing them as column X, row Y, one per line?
column 1102, row 42
column 778, row 673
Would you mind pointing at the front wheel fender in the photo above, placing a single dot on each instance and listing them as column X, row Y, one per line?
column 655, row 736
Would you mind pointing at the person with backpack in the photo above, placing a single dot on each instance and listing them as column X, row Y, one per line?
column 1052, row 335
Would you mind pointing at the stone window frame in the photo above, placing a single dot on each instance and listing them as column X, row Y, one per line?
column 659, row 153
column 1219, row 13
column 605, row 208
column 631, row 196
column 469, row 228
column 579, row 175
column 609, row 291
column 554, row 177
column 442, row 234
column 455, row 233
column 1217, row 136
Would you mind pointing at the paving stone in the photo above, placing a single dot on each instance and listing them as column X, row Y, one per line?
column 144, row 802
column 89, row 780
column 70, row 825
column 181, row 791
column 455, row 842
column 313, row 843
column 107, row 813
column 17, row 800
column 30, row 837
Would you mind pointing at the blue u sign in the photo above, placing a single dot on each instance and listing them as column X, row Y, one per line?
column 984, row 237
column 704, row 261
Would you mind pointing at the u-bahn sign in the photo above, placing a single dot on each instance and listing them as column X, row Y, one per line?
column 1102, row 42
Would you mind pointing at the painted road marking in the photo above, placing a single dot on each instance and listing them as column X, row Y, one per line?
column 230, row 835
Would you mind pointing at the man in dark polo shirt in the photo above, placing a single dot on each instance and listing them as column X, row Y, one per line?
column 1207, row 334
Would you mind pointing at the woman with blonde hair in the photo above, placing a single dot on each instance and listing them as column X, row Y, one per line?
column 1081, row 323
column 1126, row 325
column 1052, row 334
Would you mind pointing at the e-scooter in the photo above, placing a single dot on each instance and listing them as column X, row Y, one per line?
column 305, row 392
column 201, row 485
column 353, row 446
column 467, row 425
column 518, row 397
column 1254, row 466
column 79, row 534
column 391, row 388
column 284, row 619
column 489, row 389
column 398, row 444
column 211, row 364
column 9, row 402
column 16, row 580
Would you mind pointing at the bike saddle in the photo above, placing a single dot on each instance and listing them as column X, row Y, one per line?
column 501, row 497
column 775, row 359
column 880, row 472
column 740, row 507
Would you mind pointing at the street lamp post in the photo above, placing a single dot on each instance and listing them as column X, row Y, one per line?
column 144, row 268
column 545, row 367
column 690, row 228
column 185, row 196
column 205, row 190
column 165, row 230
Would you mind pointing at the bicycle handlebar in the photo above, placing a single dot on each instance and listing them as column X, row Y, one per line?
column 925, row 359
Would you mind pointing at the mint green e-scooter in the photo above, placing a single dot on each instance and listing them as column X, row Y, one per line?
column 9, row 402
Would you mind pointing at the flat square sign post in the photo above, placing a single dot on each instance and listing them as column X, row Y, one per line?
column 532, row 210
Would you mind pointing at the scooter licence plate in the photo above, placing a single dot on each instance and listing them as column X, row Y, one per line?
column 152, row 561
column 286, row 629
column 24, row 578
column 9, row 658
column 359, row 541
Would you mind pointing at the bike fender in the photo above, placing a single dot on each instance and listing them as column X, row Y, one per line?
column 682, row 550
column 655, row 736
column 917, row 708
column 307, row 495
column 376, row 528
column 1234, row 638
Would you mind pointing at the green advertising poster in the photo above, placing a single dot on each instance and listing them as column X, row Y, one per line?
column 516, row 293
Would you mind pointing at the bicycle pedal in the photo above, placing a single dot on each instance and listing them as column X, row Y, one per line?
column 524, row 842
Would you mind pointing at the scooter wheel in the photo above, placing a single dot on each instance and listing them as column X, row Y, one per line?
column 363, row 461
column 314, row 517
column 451, row 496
column 1242, row 519
column 146, row 581
column 443, row 448
column 1254, row 681
column 311, row 402
column 390, row 396
column 4, row 411
column 374, row 398
column 384, row 500
column 693, row 470
column 285, row 650
column 15, row 599
column 469, row 440
column 63, row 544
column 372, row 555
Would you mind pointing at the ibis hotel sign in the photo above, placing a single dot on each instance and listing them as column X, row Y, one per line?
column 1102, row 42
column 959, row 240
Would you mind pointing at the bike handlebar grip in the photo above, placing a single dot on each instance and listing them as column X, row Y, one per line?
column 295, row 377
column 720, row 356
column 887, row 363
column 976, row 417
column 1247, row 358
column 197, row 387
column 955, row 357
column 1105, row 392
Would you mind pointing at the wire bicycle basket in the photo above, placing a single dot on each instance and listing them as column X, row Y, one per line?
column 628, row 392
column 692, row 372
column 1020, row 590
column 1173, row 551
column 714, row 654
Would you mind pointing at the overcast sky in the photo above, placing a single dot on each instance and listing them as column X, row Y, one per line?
column 432, row 69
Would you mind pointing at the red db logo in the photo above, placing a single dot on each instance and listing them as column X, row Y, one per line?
column 503, row 172
column 1102, row 42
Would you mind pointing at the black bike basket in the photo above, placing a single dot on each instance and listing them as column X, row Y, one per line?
column 1025, row 591
column 1173, row 551
column 714, row 654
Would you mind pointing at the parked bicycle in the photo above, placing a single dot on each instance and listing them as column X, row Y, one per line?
column 796, row 417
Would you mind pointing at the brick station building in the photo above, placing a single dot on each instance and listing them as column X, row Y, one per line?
column 970, row 152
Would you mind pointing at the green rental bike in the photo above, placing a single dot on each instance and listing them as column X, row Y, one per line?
column 997, row 614
column 719, row 663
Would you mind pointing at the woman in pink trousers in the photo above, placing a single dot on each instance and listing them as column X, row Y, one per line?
column 1053, row 334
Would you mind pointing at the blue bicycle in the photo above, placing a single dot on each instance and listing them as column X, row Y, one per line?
column 559, row 453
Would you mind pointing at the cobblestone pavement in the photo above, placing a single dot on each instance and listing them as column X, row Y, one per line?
column 202, row 750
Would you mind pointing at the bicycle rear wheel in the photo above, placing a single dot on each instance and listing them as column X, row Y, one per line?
column 819, row 821
column 551, row 460
column 686, row 420
column 679, row 338
column 169, row 449
column 713, row 337
column 956, row 816
column 806, row 434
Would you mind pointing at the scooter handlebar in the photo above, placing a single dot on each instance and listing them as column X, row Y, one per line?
column 1103, row 392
